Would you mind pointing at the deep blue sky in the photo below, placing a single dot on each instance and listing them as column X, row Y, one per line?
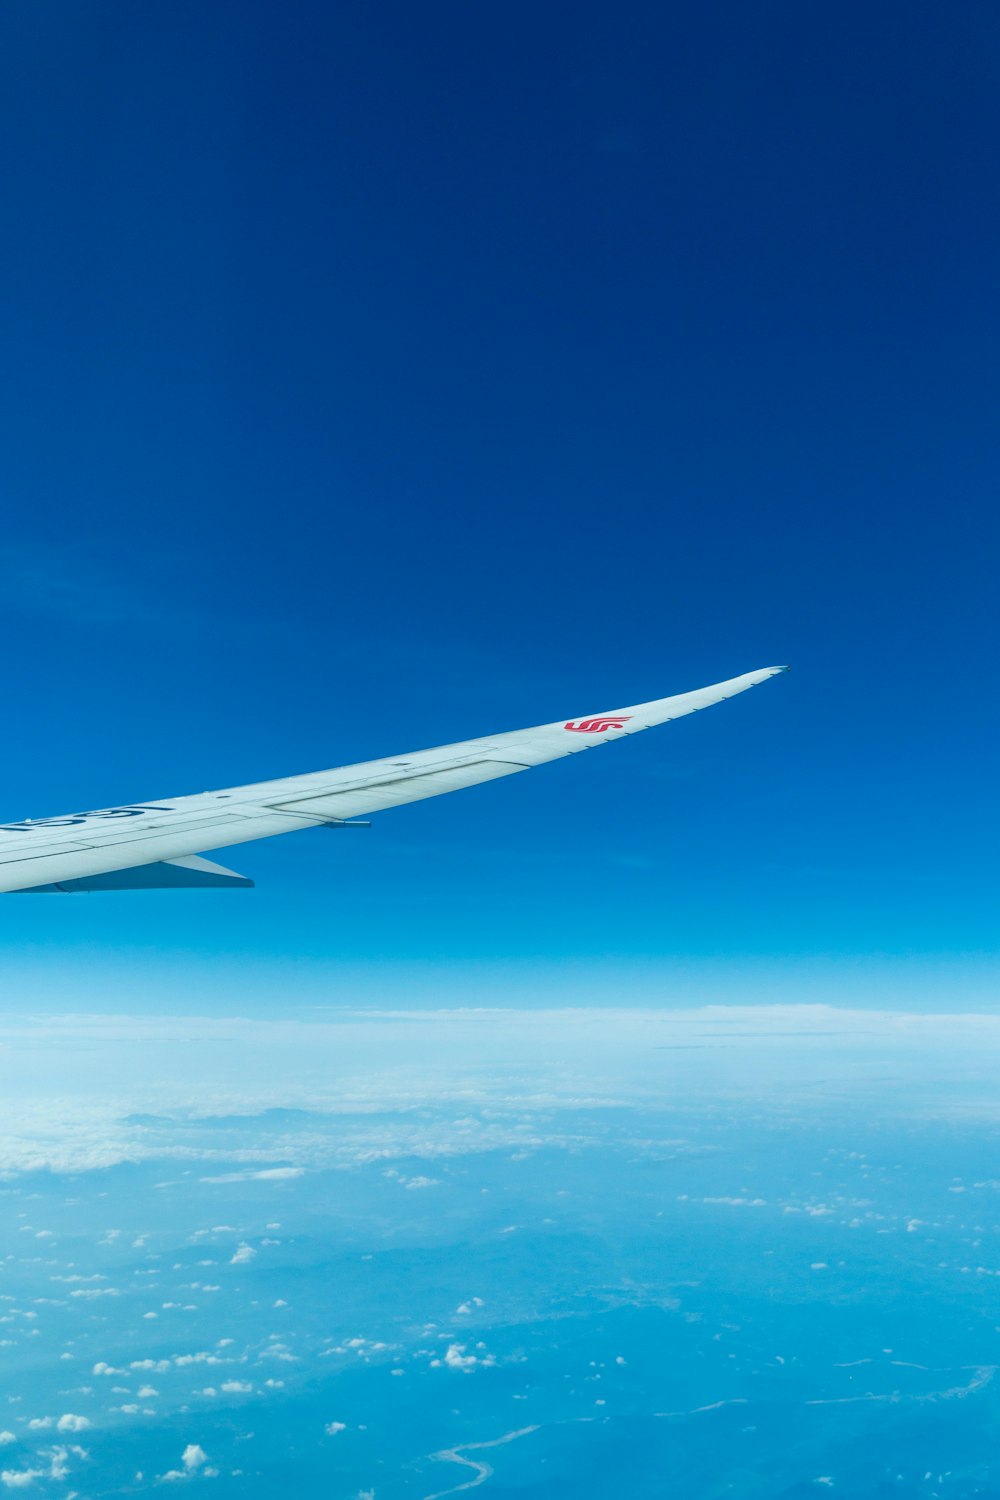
column 380, row 375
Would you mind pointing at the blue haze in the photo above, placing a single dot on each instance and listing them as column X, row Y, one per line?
column 743, row 1250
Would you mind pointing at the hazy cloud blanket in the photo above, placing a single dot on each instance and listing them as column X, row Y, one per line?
column 565, row 1252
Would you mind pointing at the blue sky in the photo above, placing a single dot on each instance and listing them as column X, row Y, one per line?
column 380, row 376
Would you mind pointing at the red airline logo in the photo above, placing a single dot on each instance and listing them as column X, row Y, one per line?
column 600, row 724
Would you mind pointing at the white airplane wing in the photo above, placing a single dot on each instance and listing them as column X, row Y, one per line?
column 160, row 844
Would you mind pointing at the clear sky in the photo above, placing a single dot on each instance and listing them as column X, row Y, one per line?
column 381, row 375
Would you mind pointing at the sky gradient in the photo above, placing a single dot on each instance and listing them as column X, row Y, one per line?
column 377, row 377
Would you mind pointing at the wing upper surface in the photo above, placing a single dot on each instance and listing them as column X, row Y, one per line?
column 48, row 851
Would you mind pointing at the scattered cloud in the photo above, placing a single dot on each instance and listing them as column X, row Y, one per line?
column 456, row 1357
column 194, row 1461
column 20, row 1479
column 70, row 1422
column 266, row 1174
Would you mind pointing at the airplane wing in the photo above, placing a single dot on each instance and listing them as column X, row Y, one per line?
column 160, row 844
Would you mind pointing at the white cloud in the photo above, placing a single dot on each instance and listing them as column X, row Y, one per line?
column 266, row 1174
column 20, row 1479
column 70, row 1422
column 456, row 1358
column 234, row 1387
column 194, row 1460
column 332, row 1428
column 243, row 1254
column 739, row 1202
column 422, row 1182
column 68, row 1119
column 147, row 1392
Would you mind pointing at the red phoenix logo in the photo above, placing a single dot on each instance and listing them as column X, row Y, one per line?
column 600, row 724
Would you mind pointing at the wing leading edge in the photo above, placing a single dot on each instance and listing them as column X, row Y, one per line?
column 156, row 844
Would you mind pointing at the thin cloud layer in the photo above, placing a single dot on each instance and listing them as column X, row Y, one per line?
column 287, row 1097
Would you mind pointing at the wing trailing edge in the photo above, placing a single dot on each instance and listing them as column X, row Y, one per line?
column 162, row 875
